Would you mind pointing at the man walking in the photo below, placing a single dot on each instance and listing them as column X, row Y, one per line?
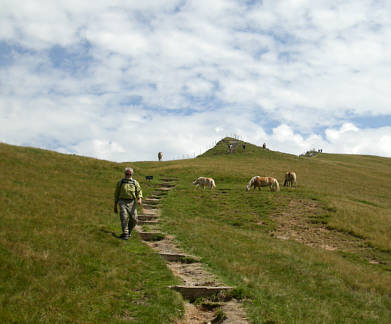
column 127, row 194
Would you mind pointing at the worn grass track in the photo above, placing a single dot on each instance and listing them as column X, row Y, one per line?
column 61, row 263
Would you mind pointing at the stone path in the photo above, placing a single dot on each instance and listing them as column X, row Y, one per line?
column 197, row 282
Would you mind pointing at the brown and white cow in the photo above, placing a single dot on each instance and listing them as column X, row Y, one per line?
column 204, row 182
column 258, row 182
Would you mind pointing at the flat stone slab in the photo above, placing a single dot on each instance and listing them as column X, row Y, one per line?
column 158, row 191
column 167, row 185
column 151, row 201
column 156, row 197
column 153, row 212
column 194, row 292
column 147, row 217
column 161, row 194
column 150, row 206
column 179, row 257
column 148, row 222
column 163, row 189
column 151, row 236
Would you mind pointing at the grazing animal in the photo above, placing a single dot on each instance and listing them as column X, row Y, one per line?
column 204, row 182
column 258, row 182
column 290, row 179
column 160, row 156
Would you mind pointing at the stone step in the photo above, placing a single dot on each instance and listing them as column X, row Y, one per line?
column 150, row 206
column 179, row 257
column 151, row 236
column 149, row 209
column 151, row 212
column 168, row 179
column 163, row 189
column 167, row 184
column 160, row 193
column 152, row 201
column 147, row 217
column 194, row 292
column 148, row 222
column 156, row 197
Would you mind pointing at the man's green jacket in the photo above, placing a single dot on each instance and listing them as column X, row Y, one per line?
column 127, row 189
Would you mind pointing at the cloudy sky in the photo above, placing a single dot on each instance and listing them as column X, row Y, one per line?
column 122, row 80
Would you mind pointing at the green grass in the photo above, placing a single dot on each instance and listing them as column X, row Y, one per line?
column 61, row 263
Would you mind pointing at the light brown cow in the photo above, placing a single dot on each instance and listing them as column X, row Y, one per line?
column 204, row 182
column 290, row 179
column 258, row 182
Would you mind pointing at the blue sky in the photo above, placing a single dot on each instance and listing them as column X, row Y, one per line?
column 123, row 80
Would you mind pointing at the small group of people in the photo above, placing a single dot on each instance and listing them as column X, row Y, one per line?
column 231, row 147
column 127, row 195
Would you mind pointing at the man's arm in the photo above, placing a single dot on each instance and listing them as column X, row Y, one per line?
column 139, row 193
column 116, row 197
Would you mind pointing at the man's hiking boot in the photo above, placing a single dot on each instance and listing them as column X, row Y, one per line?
column 124, row 236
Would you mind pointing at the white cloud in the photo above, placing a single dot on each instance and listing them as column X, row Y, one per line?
column 350, row 139
column 102, row 149
column 334, row 135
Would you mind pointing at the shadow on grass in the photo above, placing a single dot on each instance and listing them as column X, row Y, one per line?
column 113, row 234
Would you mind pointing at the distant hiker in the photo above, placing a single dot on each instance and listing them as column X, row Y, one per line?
column 244, row 146
column 264, row 146
column 160, row 156
column 230, row 148
column 127, row 194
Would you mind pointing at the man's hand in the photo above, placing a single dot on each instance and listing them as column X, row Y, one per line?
column 140, row 201
column 115, row 209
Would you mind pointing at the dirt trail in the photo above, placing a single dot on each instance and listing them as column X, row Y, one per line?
column 298, row 222
column 216, row 306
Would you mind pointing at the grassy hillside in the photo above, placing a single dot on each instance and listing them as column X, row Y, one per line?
column 61, row 263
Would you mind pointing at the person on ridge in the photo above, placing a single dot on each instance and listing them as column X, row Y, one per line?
column 127, row 194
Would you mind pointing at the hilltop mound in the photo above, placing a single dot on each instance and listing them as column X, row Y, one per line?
column 222, row 147
column 240, row 147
